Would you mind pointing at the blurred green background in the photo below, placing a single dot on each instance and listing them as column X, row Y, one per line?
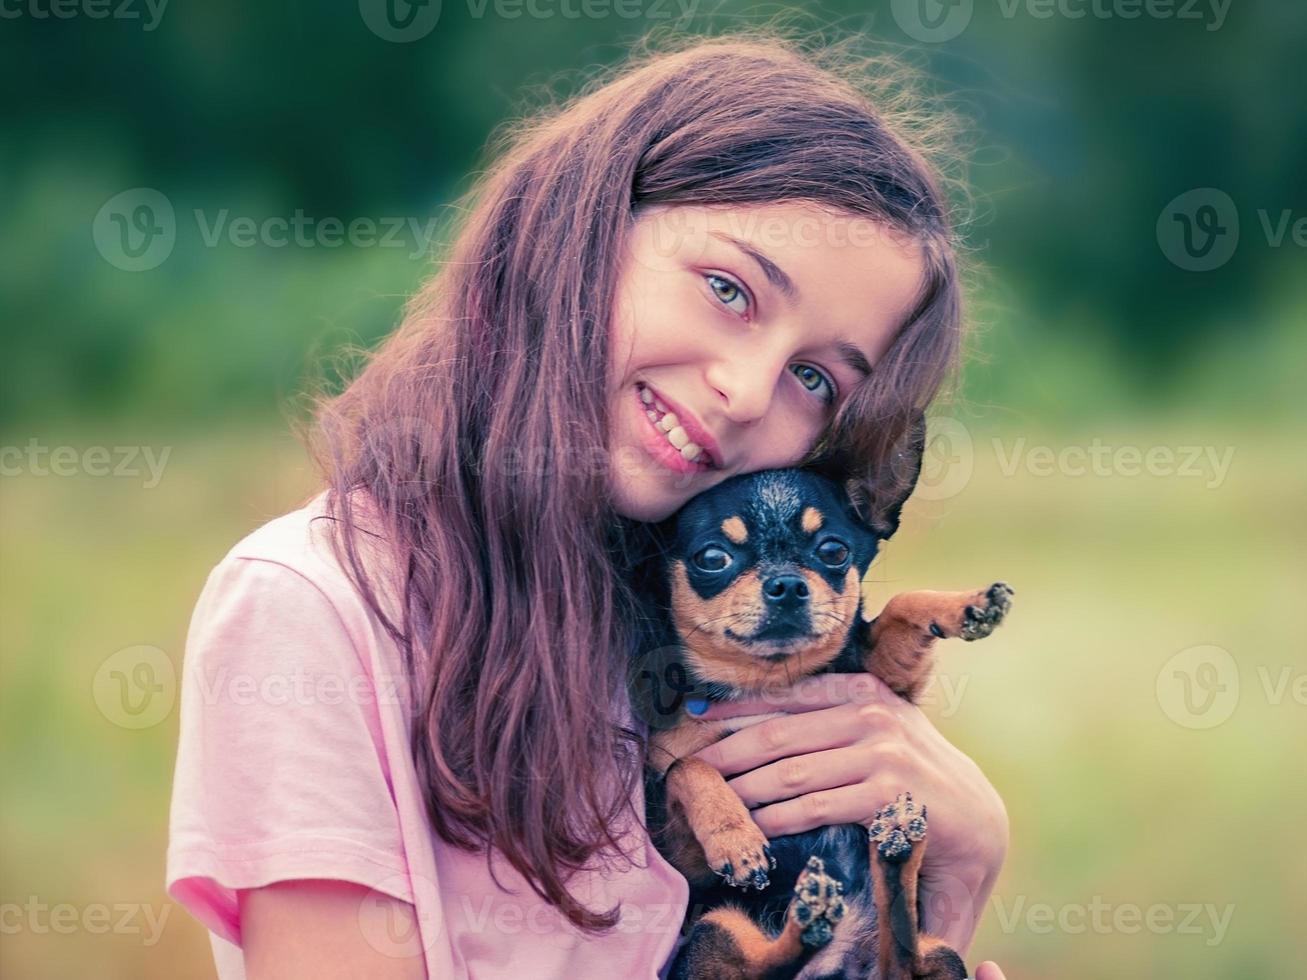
column 1128, row 451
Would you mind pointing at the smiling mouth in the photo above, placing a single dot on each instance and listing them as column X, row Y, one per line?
column 665, row 421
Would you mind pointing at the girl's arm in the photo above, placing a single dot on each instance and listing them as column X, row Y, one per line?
column 320, row 930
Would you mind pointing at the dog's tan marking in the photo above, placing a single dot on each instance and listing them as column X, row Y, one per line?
column 735, row 529
column 811, row 520
column 761, row 955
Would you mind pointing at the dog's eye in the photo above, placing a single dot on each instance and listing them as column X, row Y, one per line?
column 712, row 559
column 833, row 553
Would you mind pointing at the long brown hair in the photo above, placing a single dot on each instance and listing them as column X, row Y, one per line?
column 515, row 619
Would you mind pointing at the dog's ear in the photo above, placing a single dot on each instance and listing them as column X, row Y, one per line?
column 880, row 506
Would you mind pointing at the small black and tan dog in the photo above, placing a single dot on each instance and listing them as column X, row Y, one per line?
column 760, row 585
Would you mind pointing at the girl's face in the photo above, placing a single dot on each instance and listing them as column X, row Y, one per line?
column 751, row 325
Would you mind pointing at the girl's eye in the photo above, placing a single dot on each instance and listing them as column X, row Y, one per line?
column 728, row 292
column 807, row 373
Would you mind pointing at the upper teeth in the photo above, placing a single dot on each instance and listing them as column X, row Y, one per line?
column 670, row 424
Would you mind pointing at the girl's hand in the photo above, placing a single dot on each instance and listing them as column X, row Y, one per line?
column 847, row 746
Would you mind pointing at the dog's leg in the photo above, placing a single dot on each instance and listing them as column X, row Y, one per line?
column 902, row 637
column 898, row 846
column 727, row 943
column 732, row 844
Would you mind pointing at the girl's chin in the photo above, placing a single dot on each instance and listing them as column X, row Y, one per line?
column 646, row 494
column 645, row 503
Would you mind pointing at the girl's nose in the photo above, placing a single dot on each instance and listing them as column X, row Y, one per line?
column 746, row 383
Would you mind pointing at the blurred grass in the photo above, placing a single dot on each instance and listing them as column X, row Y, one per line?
column 1107, row 796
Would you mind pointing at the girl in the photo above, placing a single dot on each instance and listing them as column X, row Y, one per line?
column 406, row 746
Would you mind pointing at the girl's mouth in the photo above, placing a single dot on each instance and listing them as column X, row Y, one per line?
column 666, row 440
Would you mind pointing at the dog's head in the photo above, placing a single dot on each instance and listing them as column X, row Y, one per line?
column 764, row 574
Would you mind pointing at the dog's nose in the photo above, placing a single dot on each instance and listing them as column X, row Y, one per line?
column 786, row 591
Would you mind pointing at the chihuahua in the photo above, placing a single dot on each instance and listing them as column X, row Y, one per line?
column 759, row 584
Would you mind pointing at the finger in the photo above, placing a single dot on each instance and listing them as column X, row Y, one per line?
column 989, row 971
column 843, row 804
column 796, row 775
column 809, row 694
column 777, row 738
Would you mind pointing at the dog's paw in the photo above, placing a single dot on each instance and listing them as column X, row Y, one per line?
column 980, row 619
column 740, row 855
column 818, row 903
column 897, row 826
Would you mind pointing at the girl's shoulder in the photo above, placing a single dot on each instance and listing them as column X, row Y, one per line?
column 301, row 542
column 282, row 600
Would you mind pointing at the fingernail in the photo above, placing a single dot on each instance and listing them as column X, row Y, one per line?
column 696, row 706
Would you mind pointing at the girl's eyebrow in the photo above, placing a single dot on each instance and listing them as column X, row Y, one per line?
column 852, row 355
column 774, row 273
column 849, row 352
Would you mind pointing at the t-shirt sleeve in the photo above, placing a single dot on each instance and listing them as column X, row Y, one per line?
column 281, row 768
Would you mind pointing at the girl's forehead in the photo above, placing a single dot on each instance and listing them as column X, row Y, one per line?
column 853, row 272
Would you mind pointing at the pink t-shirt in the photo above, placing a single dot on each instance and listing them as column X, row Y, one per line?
column 293, row 762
